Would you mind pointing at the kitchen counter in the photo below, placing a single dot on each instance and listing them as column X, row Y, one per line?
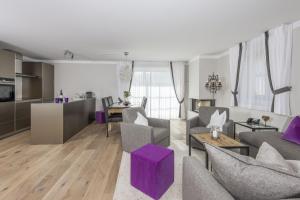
column 55, row 123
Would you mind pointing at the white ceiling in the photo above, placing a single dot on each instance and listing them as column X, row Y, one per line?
column 148, row 29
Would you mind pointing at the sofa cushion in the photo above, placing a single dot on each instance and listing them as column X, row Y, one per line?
column 196, row 130
column 198, row 183
column 292, row 133
column 288, row 150
column 217, row 120
column 130, row 114
column 269, row 155
column 245, row 178
column 141, row 120
column 159, row 134
column 206, row 112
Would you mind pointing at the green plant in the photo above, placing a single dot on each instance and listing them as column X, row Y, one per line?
column 126, row 94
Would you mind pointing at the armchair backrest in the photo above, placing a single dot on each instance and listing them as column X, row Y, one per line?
column 130, row 114
column 206, row 112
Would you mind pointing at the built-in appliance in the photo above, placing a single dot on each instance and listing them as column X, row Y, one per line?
column 7, row 89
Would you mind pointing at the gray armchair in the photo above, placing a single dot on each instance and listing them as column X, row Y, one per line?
column 198, row 124
column 135, row 136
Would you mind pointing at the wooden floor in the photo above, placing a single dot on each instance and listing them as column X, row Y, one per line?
column 86, row 167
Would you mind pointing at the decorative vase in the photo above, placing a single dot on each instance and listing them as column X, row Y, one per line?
column 215, row 132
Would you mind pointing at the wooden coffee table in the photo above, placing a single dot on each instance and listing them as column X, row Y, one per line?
column 224, row 142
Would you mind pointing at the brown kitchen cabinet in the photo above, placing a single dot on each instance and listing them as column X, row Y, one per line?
column 7, row 115
column 47, row 82
column 23, row 114
column 7, row 64
column 41, row 82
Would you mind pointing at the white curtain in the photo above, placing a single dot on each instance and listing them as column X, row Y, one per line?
column 153, row 80
column 233, row 62
column 254, row 91
column 280, row 51
column 178, row 71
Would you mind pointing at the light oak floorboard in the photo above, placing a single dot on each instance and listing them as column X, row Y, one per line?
column 85, row 167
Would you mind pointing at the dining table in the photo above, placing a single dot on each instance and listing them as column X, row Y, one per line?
column 118, row 107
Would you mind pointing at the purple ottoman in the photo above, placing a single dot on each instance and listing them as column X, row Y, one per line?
column 100, row 117
column 152, row 169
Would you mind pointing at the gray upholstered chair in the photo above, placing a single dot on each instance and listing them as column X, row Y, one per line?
column 135, row 136
column 198, row 124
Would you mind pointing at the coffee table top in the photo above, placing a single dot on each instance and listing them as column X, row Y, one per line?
column 224, row 141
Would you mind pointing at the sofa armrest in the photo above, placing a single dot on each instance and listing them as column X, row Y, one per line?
column 161, row 123
column 198, row 183
column 228, row 128
column 192, row 122
column 134, row 136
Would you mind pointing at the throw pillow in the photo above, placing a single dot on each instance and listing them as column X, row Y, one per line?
column 270, row 156
column 292, row 133
column 245, row 178
column 141, row 120
column 217, row 119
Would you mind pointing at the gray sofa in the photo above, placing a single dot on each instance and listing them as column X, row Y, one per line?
column 288, row 150
column 198, row 124
column 134, row 136
column 198, row 183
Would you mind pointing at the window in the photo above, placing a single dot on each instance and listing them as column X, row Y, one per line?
column 153, row 80
column 254, row 91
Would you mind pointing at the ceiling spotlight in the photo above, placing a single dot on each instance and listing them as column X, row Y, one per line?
column 68, row 55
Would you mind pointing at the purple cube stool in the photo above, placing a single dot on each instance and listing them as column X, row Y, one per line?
column 100, row 117
column 152, row 169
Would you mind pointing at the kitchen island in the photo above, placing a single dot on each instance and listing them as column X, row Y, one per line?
column 55, row 123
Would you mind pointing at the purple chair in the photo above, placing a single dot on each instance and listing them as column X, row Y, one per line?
column 152, row 169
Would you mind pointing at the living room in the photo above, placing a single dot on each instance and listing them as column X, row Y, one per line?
column 149, row 100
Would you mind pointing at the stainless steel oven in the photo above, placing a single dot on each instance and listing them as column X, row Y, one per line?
column 7, row 89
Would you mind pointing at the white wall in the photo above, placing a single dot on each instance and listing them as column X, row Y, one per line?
column 74, row 78
column 206, row 67
column 193, row 79
column 199, row 69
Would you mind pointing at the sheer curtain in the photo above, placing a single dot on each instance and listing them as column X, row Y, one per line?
column 178, row 78
column 280, row 52
column 153, row 80
column 254, row 91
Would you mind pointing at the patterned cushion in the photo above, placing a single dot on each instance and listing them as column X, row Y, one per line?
column 245, row 178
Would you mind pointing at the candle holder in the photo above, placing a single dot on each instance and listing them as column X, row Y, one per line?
column 266, row 119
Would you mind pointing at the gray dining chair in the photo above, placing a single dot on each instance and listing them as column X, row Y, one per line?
column 109, row 118
column 144, row 102
column 110, row 100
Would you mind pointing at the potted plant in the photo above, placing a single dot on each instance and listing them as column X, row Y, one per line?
column 126, row 98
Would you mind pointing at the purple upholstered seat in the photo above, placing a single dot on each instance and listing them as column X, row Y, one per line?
column 152, row 169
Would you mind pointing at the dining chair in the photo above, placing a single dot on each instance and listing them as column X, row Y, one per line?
column 109, row 118
column 144, row 102
column 110, row 100
column 120, row 100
